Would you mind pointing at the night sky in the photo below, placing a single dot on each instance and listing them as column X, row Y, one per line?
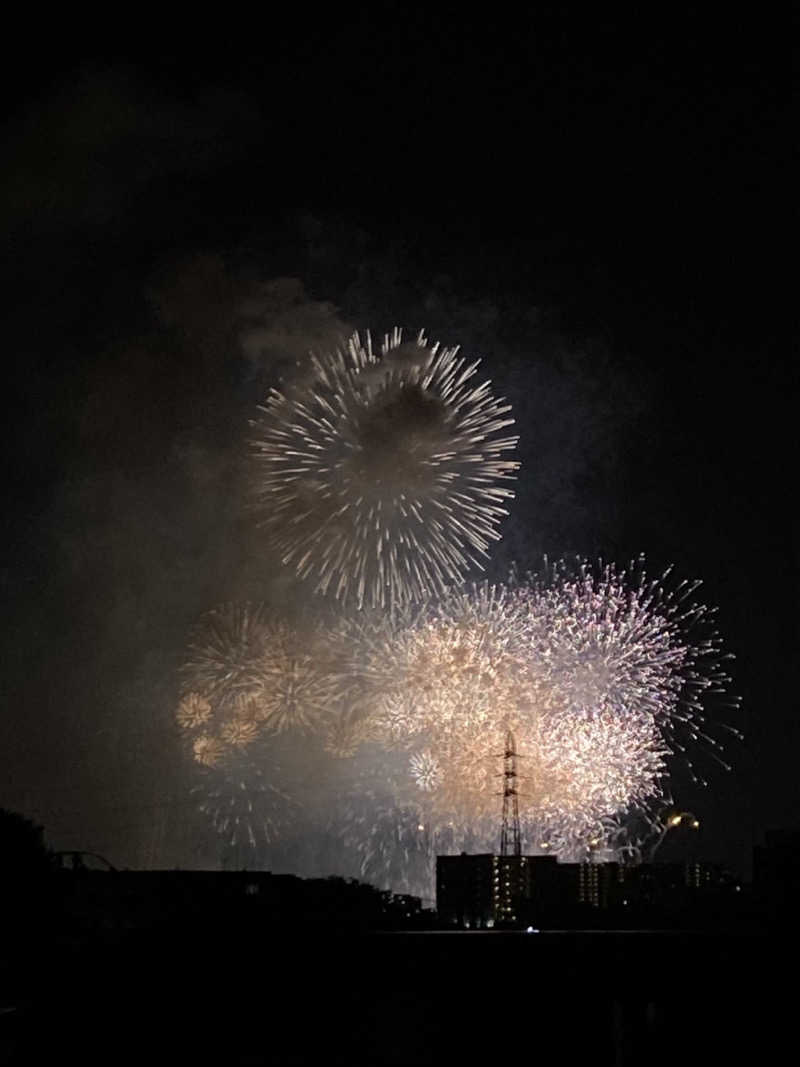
column 592, row 208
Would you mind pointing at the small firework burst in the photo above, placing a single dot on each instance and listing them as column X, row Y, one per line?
column 425, row 770
column 193, row 711
column 343, row 732
column 393, row 719
column 208, row 750
column 239, row 732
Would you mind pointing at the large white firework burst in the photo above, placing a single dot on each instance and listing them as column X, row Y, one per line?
column 383, row 479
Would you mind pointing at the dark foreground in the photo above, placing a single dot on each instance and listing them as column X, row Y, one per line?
column 302, row 995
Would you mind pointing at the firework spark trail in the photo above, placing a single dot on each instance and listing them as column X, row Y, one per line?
column 383, row 481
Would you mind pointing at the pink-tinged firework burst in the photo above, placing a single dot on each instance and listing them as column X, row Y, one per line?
column 384, row 479
column 621, row 642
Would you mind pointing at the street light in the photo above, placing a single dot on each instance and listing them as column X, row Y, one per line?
column 676, row 819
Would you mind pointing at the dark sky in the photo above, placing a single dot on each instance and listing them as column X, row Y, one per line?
column 593, row 207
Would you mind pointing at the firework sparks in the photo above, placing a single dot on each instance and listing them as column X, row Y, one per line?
column 425, row 770
column 250, row 684
column 193, row 711
column 244, row 795
column 239, row 732
column 208, row 750
column 250, row 675
column 384, row 481
column 621, row 642
column 602, row 674
column 225, row 654
column 299, row 683
column 598, row 673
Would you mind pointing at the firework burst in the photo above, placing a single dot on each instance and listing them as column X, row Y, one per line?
column 619, row 642
column 253, row 686
column 193, row 711
column 226, row 650
column 248, row 675
column 246, row 796
column 604, row 676
column 208, row 750
column 384, row 480
column 300, row 685
column 600, row 673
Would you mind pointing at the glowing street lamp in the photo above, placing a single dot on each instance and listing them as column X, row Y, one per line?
column 678, row 818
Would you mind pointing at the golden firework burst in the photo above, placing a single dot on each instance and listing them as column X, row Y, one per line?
column 208, row 750
column 193, row 711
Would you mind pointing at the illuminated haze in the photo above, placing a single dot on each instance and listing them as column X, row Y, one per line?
column 158, row 286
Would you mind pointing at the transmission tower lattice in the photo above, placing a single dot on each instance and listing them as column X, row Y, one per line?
column 510, row 842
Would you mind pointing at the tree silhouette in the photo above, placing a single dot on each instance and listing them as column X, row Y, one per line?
column 26, row 882
column 23, row 853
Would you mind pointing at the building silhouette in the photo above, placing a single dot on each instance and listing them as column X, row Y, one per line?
column 776, row 873
column 489, row 891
